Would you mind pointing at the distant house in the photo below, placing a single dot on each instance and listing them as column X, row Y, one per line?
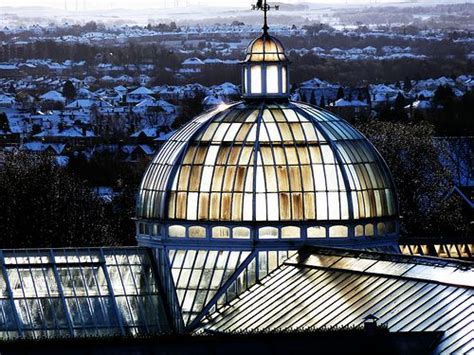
column 7, row 100
column 350, row 109
column 139, row 94
column 53, row 96
column 9, row 70
column 192, row 65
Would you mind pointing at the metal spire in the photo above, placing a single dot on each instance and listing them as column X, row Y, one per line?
column 263, row 6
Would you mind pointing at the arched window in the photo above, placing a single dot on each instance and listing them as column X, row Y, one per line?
column 177, row 231
column 197, row 232
column 268, row 233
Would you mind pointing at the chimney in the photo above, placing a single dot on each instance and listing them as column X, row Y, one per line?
column 370, row 324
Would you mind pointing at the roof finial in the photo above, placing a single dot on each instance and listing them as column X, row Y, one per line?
column 263, row 6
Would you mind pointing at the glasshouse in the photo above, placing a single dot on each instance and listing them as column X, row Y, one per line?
column 265, row 214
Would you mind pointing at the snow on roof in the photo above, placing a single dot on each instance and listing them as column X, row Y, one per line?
column 142, row 91
column 147, row 132
column 165, row 136
column 212, row 100
column 347, row 103
column 53, row 95
column 193, row 61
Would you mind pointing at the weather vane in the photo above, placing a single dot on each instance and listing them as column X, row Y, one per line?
column 263, row 6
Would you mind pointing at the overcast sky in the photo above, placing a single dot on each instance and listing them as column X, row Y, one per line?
column 92, row 4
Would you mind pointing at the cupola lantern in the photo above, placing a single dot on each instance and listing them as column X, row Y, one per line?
column 265, row 68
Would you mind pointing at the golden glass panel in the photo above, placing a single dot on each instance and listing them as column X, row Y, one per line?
column 234, row 155
column 181, row 205
column 237, row 206
column 359, row 231
column 295, row 178
column 297, row 132
column 316, row 232
column 246, row 155
column 177, row 231
column 171, row 205
column 267, row 116
column 307, row 176
column 291, row 155
column 195, row 178
column 183, row 177
column 282, row 174
column 309, row 206
column 315, row 153
column 221, row 232
column 232, row 132
column 338, row 232
column 270, row 179
column 189, row 156
column 197, row 232
column 240, row 233
column 290, row 232
column 285, row 206
column 243, row 132
column 297, row 206
column 203, row 213
column 268, row 233
column 267, row 156
column 200, row 156
column 309, row 132
column 249, row 180
column 279, row 153
column 222, row 155
column 303, row 154
column 292, row 116
column 217, row 178
column 369, row 230
column 240, row 175
column 209, row 132
column 226, row 206
column 229, row 179
column 285, row 131
column 215, row 206
column 381, row 228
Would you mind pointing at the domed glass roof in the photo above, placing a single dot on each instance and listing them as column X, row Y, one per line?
column 265, row 48
column 267, row 162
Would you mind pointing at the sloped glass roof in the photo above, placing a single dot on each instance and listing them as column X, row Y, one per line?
column 261, row 162
column 79, row 292
column 332, row 287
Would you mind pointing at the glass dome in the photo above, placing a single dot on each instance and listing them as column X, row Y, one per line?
column 265, row 48
column 268, row 170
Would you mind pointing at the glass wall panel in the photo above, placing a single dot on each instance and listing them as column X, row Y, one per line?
column 316, row 232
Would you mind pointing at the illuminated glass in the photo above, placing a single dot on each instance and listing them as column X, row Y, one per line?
column 79, row 292
column 308, row 165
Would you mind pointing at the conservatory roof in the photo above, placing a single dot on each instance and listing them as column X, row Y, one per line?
column 57, row 293
column 320, row 287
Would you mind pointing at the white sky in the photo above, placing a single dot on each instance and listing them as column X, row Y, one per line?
column 93, row 4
